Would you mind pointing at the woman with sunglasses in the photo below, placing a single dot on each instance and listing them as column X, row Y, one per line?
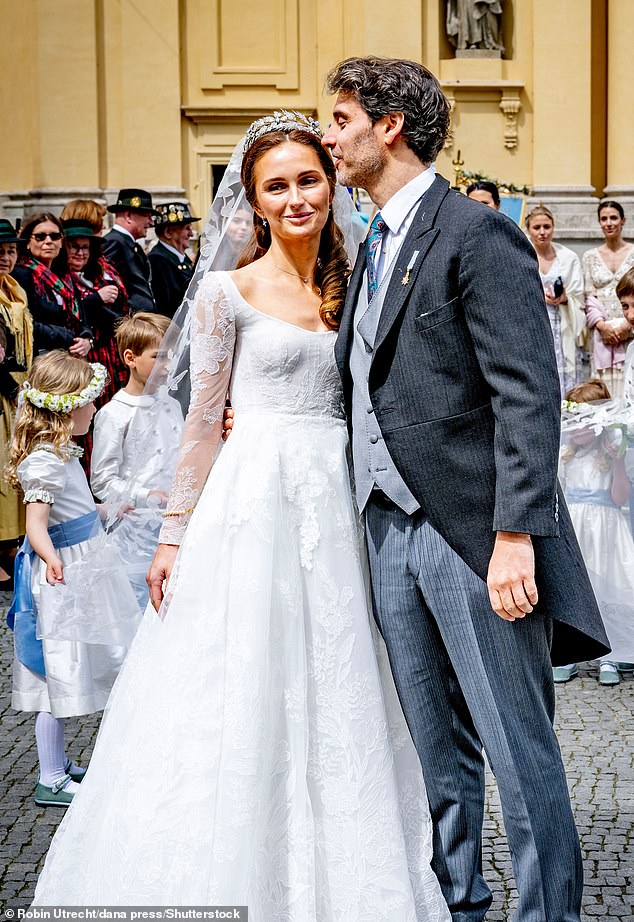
column 103, row 297
column 58, row 318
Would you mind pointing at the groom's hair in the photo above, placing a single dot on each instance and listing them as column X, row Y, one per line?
column 385, row 85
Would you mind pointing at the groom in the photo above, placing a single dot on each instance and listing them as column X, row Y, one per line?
column 451, row 387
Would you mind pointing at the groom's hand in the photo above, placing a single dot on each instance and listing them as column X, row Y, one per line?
column 511, row 576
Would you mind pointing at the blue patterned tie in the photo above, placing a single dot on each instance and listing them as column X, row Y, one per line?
column 372, row 244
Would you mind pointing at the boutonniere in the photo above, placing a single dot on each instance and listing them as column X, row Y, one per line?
column 410, row 266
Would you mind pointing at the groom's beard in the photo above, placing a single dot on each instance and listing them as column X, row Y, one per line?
column 369, row 163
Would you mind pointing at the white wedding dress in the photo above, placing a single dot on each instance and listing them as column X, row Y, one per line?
column 253, row 750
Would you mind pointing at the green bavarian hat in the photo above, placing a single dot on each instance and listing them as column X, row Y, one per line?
column 171, row 213
column 7, row 232
column 133, row 200
column 76, row 227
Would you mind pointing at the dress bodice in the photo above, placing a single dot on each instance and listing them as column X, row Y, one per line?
column 601, row 282
column 589, row 469
column 279, row 367
column 45, row 477
column 266, row 365
column 548, row 278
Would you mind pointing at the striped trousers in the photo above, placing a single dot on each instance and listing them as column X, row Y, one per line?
column 469, row 681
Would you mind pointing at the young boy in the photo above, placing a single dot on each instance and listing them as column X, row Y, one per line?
column 133, row 426
column 625, row 294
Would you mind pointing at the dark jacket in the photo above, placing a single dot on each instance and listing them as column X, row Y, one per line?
column 8, row 385
column 465, row 389
column 132, row 264
column 52, row 327
column 170, row 279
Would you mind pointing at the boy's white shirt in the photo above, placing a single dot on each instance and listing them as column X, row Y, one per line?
column 115, row 474
column 628, row 374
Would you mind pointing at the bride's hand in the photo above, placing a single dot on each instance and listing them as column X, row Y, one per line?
column 227, row 423
column 160, row 572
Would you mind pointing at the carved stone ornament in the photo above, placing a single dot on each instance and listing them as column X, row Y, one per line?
column 510, row 105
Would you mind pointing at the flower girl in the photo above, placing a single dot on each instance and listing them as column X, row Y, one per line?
column 592, row 472
column 73, row 612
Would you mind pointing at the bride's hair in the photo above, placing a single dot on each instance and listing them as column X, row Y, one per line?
column 333, row 268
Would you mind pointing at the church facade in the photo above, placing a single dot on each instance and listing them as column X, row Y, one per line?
column 100, row 94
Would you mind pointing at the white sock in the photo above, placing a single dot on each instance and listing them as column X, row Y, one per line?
column 49, row 736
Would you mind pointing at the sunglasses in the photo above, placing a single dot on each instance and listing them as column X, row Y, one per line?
column 41, row 237
column 79, row 247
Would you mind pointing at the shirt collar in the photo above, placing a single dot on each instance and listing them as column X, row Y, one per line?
column 133, row 400
column 402, row 202
column 122, row 230
column 181, row 256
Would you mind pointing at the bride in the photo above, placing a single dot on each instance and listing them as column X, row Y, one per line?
column 253, row 751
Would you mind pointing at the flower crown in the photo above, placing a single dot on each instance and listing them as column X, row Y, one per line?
column 281, row 120
column 66, row 403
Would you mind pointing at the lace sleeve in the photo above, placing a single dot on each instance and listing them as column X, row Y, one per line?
column 211, row 355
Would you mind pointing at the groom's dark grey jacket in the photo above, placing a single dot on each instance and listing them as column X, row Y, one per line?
column 465, row 389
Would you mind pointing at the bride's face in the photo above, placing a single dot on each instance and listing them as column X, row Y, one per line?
column 292, row 191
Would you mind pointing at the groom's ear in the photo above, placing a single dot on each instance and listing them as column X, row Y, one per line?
column 391, row 127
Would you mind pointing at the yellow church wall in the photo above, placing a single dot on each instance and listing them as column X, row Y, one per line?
column 620, row 75
column 63, row 57
column 101, row 94
column 18, row 95
column 140, row 94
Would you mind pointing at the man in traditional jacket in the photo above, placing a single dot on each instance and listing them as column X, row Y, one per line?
column 172, row 269
column 134, row 217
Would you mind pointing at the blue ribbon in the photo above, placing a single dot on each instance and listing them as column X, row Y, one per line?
column 21, row 616
column 593, row 497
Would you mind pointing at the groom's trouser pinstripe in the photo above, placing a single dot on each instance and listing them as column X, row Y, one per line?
column 467, row 680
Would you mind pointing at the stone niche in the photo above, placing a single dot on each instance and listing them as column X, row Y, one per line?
column 467, row 35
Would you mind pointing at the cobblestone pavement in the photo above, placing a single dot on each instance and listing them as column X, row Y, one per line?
column 596, row 730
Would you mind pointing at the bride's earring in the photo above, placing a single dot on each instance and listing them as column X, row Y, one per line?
column 265, row 223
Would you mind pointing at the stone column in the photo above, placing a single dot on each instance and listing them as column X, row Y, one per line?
column 562, row 138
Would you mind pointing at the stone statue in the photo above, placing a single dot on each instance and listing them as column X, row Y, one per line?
column 475, row 24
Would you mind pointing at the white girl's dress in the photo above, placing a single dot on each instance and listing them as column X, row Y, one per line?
column 79, row 675
column 253, row 751
column 607, row 546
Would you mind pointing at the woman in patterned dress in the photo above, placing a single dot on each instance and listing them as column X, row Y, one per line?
column 603, row 268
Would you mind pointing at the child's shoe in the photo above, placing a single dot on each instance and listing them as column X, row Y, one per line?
column 56, row 795
column 565, row 673
column 625, row 667
column 608, row 674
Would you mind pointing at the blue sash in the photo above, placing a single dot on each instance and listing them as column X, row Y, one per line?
column 21, row 617
column 594, row 497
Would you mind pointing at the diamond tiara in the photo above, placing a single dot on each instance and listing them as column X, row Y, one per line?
column 281, row 120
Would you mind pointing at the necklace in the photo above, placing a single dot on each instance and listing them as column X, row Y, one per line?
column 303, row 278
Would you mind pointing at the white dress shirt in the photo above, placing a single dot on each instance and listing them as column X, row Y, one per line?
column 398, row 213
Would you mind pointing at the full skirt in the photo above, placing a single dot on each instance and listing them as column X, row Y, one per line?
column 253, row 750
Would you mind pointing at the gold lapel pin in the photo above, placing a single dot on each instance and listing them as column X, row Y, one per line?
column 410, row 266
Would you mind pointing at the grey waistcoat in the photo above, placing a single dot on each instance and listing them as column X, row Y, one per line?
column 373, row 466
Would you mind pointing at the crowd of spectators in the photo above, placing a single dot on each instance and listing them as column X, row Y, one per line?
column 64, row 285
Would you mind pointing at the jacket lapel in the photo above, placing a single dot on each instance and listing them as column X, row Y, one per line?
column 343, row 343
column 412, row 254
